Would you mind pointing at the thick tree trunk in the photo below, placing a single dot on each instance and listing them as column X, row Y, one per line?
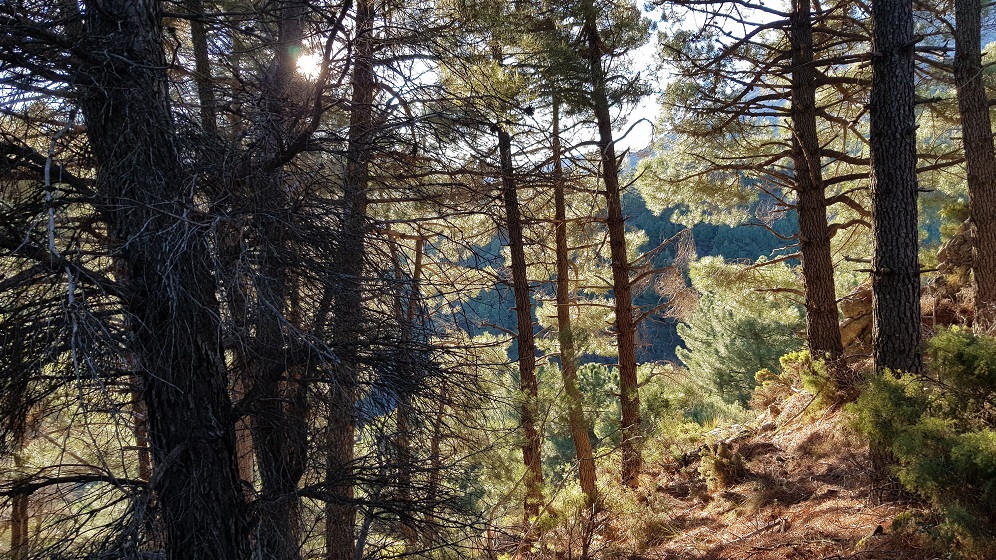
column 896, row 269
column 565, row 336
column 172, row 290
column 980, row 158
column 632, row 459
column 528, row 386
column 822, row 323
column 340, row 510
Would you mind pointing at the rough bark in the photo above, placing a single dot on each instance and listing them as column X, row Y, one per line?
column 202, row 67
column 19, row 543
column 278, row 410
column 980, row 158
column 822, row 323
column 148, row 207
column 406, row 312
column 632, row 459
column 565, row 335
column 896, row 269
column 340, row 510
column 528, row 386
column 141, row 431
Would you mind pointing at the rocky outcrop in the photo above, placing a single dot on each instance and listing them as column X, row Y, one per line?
column 947, row 299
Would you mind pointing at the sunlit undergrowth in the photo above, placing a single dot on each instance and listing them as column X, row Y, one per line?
column 941, row 430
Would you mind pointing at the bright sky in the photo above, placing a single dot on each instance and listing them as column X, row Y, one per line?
column 643, row 118
column 640, row 123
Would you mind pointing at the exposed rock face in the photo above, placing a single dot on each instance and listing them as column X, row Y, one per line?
column 948, row 299
column 855, row 330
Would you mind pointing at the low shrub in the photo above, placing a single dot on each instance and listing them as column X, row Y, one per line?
column 940, row 428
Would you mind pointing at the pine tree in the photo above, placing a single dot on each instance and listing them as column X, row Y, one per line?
column 896, row 269
column 980, row 156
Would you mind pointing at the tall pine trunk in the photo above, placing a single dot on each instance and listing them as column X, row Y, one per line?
column 278, row 408
column 632, row 458
column 528, row 386
column 565, row 335
column 340, row 510
column 980, row 159
column 896, row 268
column 148, row 207
column 405, row 312
column 822, row 326
column 202, row 66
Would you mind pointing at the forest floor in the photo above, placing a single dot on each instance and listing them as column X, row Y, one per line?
column 796, row 483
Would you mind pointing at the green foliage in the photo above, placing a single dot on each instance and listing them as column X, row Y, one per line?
column 735, row 331
column 678, row 407
column 643, row 518
column 800, row 367
column 952, row 215
column 721, row 467
column 941, row 430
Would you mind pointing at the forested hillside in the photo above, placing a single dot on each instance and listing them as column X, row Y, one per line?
column 371, row 279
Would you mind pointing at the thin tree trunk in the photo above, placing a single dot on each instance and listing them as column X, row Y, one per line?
column 340, row 510
column 278, row 409
column 632, row 458
column 528, row 386
column 896, row 276
column 565, row 335
column 822, row 323
column 229, row 239
column 125, row 103
column 141, row 430
column 202, row 66
column 406, row 317
column 19, row 543
column 435, row 454
column 980, row 158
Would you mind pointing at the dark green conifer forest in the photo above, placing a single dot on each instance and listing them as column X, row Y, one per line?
column 441, row 279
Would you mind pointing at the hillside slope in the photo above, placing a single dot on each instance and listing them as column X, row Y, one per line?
column 794, row 484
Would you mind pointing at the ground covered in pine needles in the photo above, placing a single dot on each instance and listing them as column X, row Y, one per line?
column 795, row 483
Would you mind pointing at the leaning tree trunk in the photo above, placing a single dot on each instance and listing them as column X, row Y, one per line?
column 565, row 335
column 822, row 322
column 528, row 386
column 340, row 510
column 980, row 158
column 896, row 269
column 632, row 459
column 150, row 211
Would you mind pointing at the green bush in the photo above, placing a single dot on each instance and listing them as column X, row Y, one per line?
column 941, row 430
column 720, row 467
column 727, row 344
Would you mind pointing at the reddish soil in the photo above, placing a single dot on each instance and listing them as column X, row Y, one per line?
column 804, row 493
